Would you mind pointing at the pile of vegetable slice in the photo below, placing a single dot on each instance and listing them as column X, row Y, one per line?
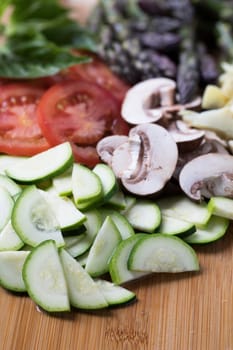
column 70, row 237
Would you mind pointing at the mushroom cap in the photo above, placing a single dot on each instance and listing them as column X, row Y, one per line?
column 107, row 145
column 146, row 101
column 208, row 175
column 146, row 162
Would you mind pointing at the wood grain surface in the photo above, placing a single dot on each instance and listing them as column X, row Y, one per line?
column 186, row 311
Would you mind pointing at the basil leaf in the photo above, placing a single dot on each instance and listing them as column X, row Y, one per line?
column 43, row 59
column 39, row 37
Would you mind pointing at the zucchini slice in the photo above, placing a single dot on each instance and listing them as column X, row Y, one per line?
column 102, row 248
column 83, row 291
column 6, row 205
column 174, row 226
column 33, row 220
column 67, row 214
column 9, row 240
column 118, row 265
column 78, row 245
column 62, row 183
column 215, row 228
column 10, row 185
column 126, row 230
column 86, row 187
column 162, row 253
column 11, row 267
column 108, row 180
column 181, row 207
column 44, row 278
column 144, row 216
column 221, row 206
column 42, row 166
column 114, row 295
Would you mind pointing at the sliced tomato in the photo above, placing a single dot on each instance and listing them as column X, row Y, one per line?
column 97, row 71
column 82, row 113
column 20, row 133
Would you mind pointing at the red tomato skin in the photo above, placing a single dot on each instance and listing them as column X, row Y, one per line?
column 71, row 110
column 20, row 133
column 98, row 72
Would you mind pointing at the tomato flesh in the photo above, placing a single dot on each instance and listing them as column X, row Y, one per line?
column 98, row 72
column 82, row 113
column 20, row 133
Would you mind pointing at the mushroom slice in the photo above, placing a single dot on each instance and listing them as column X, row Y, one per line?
column 187, row 138
column 146, row 101
column 146, row 162
column 208, row 175
column 207, row 146
column 107, row 145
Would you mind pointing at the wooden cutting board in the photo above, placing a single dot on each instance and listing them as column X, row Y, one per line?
column 187, row 311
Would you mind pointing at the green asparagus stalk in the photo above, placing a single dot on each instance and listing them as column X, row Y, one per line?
column 187, row 72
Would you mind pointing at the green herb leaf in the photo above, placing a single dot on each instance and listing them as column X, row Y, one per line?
column 43, row 59
column 39, row 37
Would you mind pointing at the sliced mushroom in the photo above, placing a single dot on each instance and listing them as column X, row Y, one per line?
column 107, row 145
column 146, row 101
column 187, row 138
column 207, row 146
column 146, row 162
column 208, row 175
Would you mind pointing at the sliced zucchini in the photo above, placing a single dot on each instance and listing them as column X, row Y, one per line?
column 67, row 214
column 118, row 265
column 174, row 226
column 44, row 278
column 9, row 240
column 162, row 253
column 62, row 183
column 10, row 185
column 86, row 187
column 11, row 266
column 221, row 206
column 80, row 244
column 144, row 216
column 181, row 207
column 108, row 180
column 7, row 160
column 215, row 228
column 84, row 293
column 82, row 259
column 33, row 220
column 102, row 248
column 129, row 202
column 126, row 230
column 118, row 201
column 6, row 205
column 114, row 295
column 44, row 165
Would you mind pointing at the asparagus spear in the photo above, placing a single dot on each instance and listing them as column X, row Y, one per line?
column 187, row 72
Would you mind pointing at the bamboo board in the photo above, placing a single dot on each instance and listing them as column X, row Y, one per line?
column 187, row 311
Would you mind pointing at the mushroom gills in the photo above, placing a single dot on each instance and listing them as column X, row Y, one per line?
column 146, row 101
column 107, row 145
column 221, row 185
column 208, row 175
column 146, row 162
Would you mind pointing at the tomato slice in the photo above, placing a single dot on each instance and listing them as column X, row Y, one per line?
column 20, row 133
column 97, row 71
column 82, row 113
